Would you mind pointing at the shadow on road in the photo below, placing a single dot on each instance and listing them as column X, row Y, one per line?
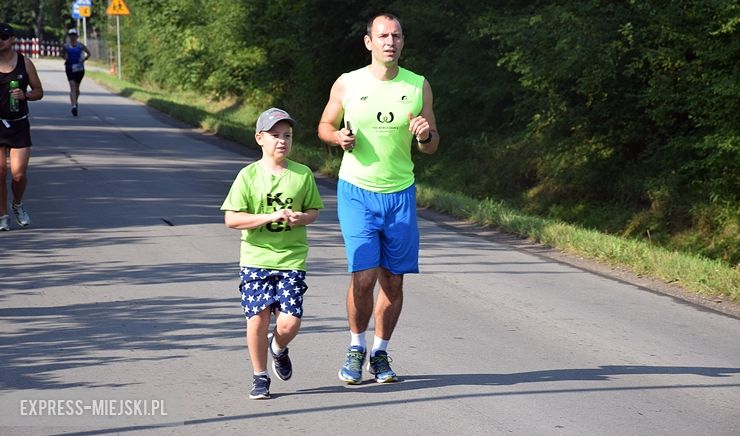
column 602, row 373
column 47, row 340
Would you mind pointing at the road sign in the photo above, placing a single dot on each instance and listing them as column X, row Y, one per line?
column 117, row 7
column 85, row 11
column 84, row 2
column 76, row 10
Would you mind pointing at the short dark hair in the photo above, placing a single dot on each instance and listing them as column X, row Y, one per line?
column 374, row 17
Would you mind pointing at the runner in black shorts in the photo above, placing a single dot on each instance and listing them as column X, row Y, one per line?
column 75, row 54
column 15, row 130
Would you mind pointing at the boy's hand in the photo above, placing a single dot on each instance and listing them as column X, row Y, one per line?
column 296, row 218
column 281, row 215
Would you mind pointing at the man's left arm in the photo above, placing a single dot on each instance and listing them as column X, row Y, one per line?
column 424, row 127
column 37, row 91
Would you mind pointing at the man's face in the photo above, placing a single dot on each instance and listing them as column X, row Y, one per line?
column 6, row 41
column 385, row 41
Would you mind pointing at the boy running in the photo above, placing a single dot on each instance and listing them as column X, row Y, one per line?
column 272, row 201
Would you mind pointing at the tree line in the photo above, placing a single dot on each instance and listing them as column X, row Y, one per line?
column 618, row 115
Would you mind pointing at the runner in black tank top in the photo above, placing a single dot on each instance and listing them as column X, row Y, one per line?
column 15, row 130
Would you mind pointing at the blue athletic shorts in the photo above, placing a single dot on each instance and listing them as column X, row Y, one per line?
column 379, row 229
column 272, row 289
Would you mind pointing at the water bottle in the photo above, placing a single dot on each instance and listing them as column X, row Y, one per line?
column 13, row 102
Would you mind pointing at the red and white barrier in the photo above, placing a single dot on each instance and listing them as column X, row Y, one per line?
column 35, row 48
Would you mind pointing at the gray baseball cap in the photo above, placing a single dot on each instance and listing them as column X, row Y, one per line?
column 270, row 117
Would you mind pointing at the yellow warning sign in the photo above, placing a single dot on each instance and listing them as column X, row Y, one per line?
column 117, row 7
column 85, row 11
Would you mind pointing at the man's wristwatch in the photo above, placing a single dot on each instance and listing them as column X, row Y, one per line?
column 426, row 141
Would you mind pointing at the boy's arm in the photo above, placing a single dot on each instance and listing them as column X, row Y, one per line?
column 303, row 218
column 245, row 221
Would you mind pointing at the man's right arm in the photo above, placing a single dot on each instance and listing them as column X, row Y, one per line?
column 329, row 130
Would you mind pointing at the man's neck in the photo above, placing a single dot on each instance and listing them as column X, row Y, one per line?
column 384, row 72
column 7, row 56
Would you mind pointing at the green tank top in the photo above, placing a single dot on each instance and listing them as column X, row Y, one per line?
column 378, row 112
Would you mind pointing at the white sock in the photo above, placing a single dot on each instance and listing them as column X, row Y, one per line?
column 261, row 373
column 378, row 344
column 358, row 339
column 274, row 347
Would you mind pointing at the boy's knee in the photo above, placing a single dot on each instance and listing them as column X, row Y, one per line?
column 289, row 323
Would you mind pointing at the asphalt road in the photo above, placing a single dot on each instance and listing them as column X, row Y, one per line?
column 123, row 290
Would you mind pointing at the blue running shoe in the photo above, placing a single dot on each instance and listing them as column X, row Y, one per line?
column 260, row 388
column 379, row 365
column 351, row 372
column 281, row 364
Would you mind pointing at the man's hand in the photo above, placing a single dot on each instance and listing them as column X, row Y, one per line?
column 345, row 139
column 18, row 94
column 419, row 126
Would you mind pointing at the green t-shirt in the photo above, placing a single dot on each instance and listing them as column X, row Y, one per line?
column 378, row 112
column 255, row 191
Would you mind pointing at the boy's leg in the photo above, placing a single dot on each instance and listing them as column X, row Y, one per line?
column 286, row 329
column 257, row 327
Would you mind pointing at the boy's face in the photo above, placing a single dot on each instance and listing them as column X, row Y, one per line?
column 276, row 142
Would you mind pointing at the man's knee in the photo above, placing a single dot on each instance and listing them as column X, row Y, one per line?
column 19, row 177
column 363, row 282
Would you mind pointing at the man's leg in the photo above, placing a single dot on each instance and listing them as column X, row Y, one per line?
column 18, row 167
column 360, row 299
column 359, row 311
column 3, row 177
column 389, row 303
column 74, row 91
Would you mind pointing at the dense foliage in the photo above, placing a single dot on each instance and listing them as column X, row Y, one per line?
column 619, row 115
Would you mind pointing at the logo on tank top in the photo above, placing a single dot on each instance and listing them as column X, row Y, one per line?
column 386, row 119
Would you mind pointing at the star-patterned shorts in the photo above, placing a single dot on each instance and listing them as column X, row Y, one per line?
column 270, row 288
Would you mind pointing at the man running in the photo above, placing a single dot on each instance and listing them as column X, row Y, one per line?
column 384, row 108
column 17, row 73
column 75, row 54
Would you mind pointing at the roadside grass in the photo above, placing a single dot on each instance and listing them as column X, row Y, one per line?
column 233, row 119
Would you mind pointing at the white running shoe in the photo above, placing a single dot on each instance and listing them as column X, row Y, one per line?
column 4, row 223
column 21, row 216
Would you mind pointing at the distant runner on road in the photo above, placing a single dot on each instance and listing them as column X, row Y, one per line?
column 75, row 54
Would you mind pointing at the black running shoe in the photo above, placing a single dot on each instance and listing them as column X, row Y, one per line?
column 281, row 364
column 260, row 388
column 74, row 111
